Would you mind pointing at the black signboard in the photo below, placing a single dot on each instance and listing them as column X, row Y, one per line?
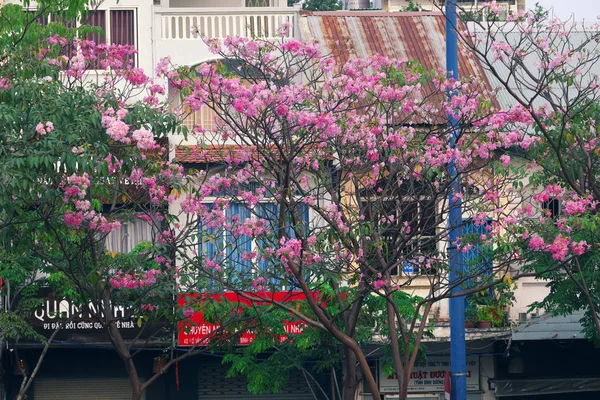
column 82, row 324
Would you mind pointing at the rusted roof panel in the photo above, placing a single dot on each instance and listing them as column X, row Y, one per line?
column 213, row 154
column 416, row 36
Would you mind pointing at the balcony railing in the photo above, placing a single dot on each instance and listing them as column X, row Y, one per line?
column 189, row 23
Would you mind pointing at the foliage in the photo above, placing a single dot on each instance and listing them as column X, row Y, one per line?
column 493, row 314
column 322, row 5
column 412, row 7
column 82, row 156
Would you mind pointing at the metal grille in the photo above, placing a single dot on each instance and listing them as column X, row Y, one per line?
column 82, row 389
column 212, row 384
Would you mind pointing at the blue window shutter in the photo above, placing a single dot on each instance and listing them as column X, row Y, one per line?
column 236, row 247
column 269, row 212
column 211, row 243
column 210, row 246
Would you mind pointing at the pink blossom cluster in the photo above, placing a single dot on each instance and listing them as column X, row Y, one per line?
column 75, row 186
column 144, row 139
column 250, row 227
column 75, row 190
column 118, row 130
column 123, row 280
column 290, row 250
column 577, row 205
column 259, row 284
column 559, row 248
column 5, row 84
column 44, row 129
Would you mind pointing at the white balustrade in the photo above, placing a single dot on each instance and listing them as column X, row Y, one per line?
column 182, row 24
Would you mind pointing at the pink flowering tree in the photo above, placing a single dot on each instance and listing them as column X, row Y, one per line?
column 332, row 181
column 85, row 190
column 544, row 68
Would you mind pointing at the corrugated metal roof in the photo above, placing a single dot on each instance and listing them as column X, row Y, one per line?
column 417, row 36
column 548, row 327
column 211, row 154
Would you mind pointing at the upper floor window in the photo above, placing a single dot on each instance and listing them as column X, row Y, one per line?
column 417, row 219
column 205, row 118
column 551, row 208
column 119, row 26
column 242, row 258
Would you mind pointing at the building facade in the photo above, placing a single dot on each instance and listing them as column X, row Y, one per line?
column 83, row 368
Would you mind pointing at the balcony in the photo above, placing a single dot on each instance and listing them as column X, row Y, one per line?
column 175, row 25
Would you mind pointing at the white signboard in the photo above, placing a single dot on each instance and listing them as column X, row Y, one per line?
column 428, row 377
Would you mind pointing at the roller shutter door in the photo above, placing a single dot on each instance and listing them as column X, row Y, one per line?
column 82, row 389
column 212, row 385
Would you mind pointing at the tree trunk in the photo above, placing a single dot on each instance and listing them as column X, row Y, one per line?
column 122, row 349
column 350, row 378
column 394, row 344
column 137, row 393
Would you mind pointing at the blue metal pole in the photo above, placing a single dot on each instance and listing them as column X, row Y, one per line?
column 458, row 361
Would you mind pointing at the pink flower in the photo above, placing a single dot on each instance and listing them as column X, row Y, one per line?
column 121, row 113
column 281, row 110
column 144, row 138
column 188, row 312
column 536, row 242
column 259, row 284
column 505, row 159
column 163, row 66
column 559, row 248
column 580, row 247
column 4, row 84
column 118, row 131
column 49, row 126
column 39, row 128
column 379, row 283
column 73, row 219
column 576, row 206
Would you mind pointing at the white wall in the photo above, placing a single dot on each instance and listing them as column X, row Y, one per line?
column 528, row 291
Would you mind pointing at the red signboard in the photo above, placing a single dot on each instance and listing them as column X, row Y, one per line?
column 199, row 332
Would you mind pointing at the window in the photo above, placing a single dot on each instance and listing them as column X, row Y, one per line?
column 415, row 217
column 551, row 208
column 222, row 247
column 205, row 118
column 121, row 23
column 130, row 235
column 420, row 215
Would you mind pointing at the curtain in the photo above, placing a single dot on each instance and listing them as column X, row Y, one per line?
column 130, row 235
column 122, row 27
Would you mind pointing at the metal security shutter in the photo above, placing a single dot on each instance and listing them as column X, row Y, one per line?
column 82, row 389
column 212, row 385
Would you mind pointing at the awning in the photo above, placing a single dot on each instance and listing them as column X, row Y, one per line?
column 529, row 387
column 549, row 327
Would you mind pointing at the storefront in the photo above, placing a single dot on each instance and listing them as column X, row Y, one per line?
column 91, row 388
column 212, row 384
column 427, row 379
